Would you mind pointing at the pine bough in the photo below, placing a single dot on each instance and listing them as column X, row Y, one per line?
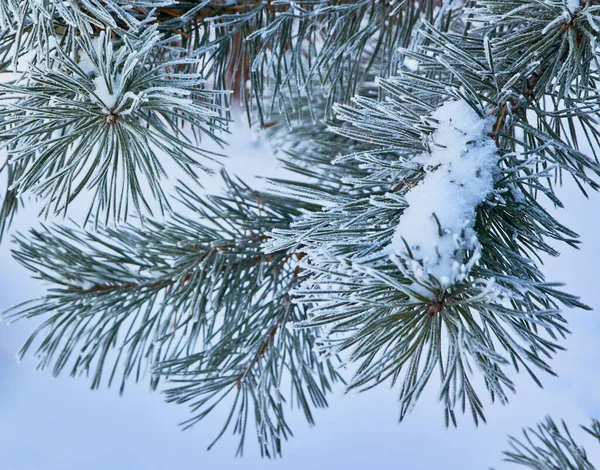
column 425, row 137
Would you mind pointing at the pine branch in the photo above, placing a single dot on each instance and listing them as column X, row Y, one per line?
column 550, row 447
column 548, row 36
column 100, row 125
column 484, row 107
column 294, row 42
column 382, row 303
column 194, row 299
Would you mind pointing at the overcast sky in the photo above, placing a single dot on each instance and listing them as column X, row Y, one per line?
column 58, row 424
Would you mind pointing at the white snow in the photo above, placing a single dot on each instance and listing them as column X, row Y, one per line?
column 109, row 98
column 437, row 227
column 573, row 5
column 411, row 64
column 85, row 62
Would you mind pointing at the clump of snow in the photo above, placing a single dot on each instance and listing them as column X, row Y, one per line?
column 411, row 64
column 436, row 229
column 573, row 5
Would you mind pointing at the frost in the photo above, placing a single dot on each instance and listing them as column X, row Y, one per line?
column 436, row 229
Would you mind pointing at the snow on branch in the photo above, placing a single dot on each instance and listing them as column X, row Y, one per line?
column 435, row 236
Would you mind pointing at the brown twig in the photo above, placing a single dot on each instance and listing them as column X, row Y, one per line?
column 161, row 283
column 437, row 307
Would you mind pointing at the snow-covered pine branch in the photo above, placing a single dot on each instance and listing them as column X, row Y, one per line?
column 410, row 242
column 462, row 291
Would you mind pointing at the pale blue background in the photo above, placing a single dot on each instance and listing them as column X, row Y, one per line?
column 58, row 424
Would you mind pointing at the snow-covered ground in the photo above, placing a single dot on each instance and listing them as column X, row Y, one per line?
column 58, row 424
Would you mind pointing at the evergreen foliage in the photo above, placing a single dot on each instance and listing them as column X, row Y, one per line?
column 426, row 139
column 551, row 447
